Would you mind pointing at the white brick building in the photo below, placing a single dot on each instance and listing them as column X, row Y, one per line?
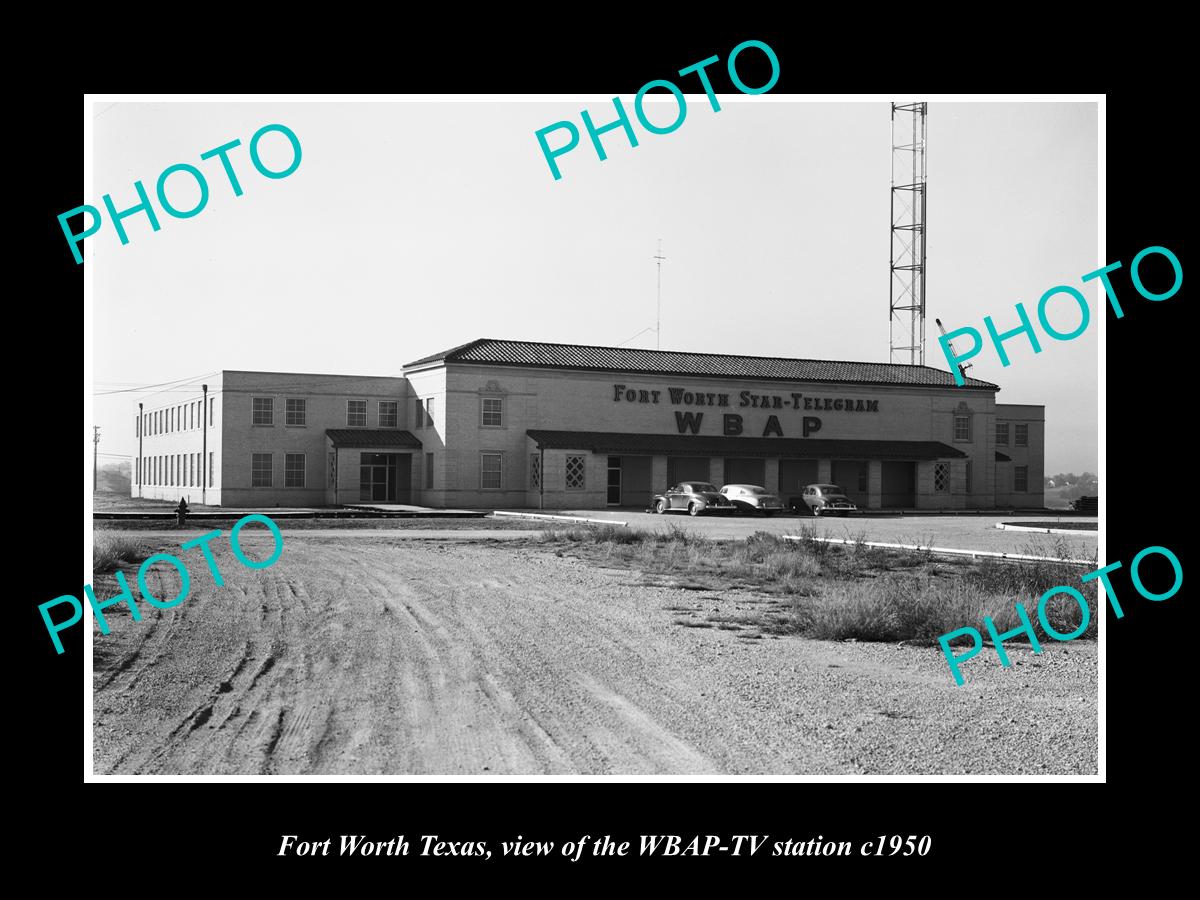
column 495, row 424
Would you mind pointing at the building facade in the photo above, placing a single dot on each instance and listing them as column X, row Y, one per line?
column 519, row 424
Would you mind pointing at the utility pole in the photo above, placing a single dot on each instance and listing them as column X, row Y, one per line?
column 658, row 314
column 204, row 445
column 95, row 455
column 141, row 433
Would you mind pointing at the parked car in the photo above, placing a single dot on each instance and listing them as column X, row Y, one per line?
column 694, row 496
column 826, row 499
column 753, row 499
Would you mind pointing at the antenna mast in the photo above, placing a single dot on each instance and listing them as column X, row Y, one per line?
column 906, row 294
column 658, row 309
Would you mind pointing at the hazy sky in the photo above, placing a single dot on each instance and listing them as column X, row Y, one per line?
column 412, row 227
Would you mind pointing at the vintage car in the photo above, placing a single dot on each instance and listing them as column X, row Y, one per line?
column 695, row 497
column 827, row 499
column 753, row 499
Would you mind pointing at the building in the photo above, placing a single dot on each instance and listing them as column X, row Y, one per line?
column 500, row 424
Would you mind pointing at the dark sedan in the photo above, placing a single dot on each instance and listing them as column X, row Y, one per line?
column 826, row 499
column 695, row 497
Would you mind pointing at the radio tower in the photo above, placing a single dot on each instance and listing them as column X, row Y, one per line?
column 906, row 295
column 658, row 309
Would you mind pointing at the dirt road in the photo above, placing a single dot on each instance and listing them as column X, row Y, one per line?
column 405, row 657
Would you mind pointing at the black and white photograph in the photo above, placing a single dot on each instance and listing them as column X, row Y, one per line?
column 683, row 434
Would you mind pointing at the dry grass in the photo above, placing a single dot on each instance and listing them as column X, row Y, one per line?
column 110, row 549
column 839, row 592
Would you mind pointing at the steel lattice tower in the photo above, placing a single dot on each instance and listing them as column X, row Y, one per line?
column 906, row 295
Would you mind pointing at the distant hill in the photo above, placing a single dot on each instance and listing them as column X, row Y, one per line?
column 114, row 477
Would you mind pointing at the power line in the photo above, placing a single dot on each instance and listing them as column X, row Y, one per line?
column 145, row 387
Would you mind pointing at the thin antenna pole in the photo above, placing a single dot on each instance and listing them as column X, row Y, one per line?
column 658, row 309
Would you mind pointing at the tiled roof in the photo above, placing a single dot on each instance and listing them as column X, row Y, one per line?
column 373, row 437
column 719, row 445
column 488, row 351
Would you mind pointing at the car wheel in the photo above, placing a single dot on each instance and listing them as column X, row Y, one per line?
column 693, row 509
column 661, row 507
column 816, row 510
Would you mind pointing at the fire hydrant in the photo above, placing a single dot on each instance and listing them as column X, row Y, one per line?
column 181, row 512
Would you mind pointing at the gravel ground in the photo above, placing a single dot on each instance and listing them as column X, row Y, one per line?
column 450, row 657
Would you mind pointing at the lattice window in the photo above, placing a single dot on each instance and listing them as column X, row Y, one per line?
column 535, row 470
column 941, row 477
column 575, row 469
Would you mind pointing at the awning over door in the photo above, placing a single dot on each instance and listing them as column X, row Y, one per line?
column 373, row 437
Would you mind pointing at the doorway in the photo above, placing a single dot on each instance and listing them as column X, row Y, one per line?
column 385, row 477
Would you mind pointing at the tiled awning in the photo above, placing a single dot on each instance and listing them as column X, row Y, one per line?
column 703, row 445
column 373, row 437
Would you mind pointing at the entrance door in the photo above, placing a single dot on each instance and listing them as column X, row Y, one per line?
column 636, row 478
column 614, row 481
column 385, row 477
column 687, row 468
column 746, row 471
column 851, row 476
column 899, row 487
column 794, row 476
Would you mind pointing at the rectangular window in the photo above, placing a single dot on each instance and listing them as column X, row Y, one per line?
column 492, row 412
column 389, row 414
column 962, row 428
column 862, row 477
column 295, row 412
column 260, row 470
column 191, row 416
column 1020, row 479
column 418, row 413
column 210, row 468
column 1021, row 437
column 356, row 413
column 429, row 412
column 137, row 427
column 211, row 400
column 491, row 471
column 575, row 473
column 264, row 411
column 190, row 472
column 970, row 475
column 429, row 471
column 1002, row 434
column 293, row 470
column 941, row 476
column 535, row 471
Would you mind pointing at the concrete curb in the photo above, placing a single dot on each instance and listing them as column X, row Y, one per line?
column 1005, row 526
column 552, row 518
column 952, row 551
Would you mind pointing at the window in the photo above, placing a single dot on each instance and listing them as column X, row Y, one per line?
column 575, row 473
column 1020, row 479
column 862, row 477
column 260, row 470
column 211, row 400
column 264, row 411
column 295, row 412
column 333, row 468
column 492, row 412
column 1021, row 438
column 418, row 413
column 491, row 471
column 1002, row 434
column 429, row 470
column 389, row 413
column 137, row 427
column 962, row 428
column 293, row 470
column 356, row 413
column 941, row 477
column 210, row 468
column 535, row 470
column 191, row 470
column 970, row 475
column 429, row 412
